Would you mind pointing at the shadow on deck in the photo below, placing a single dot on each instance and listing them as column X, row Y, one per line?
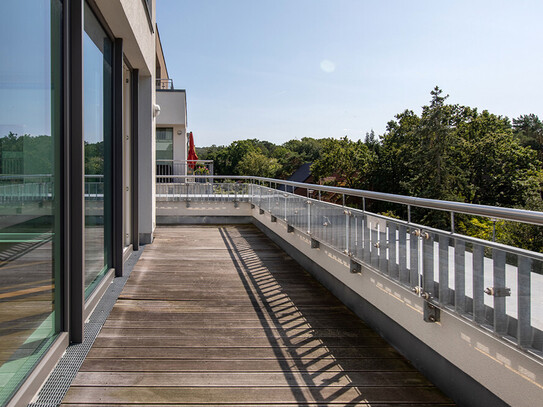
column 220, row 315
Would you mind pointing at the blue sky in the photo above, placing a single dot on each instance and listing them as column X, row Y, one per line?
column 282, row 69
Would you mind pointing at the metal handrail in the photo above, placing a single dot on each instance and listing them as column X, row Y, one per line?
column 183, row 161
column 44, row 176
column 512, row 214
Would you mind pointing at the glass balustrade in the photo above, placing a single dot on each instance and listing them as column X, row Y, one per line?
column 488, row 283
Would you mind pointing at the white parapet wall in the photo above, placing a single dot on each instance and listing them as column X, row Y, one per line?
column 213, row 212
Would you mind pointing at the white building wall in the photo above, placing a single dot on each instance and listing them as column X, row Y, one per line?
column 146, row 160
column 173, row 113
column 128, row 19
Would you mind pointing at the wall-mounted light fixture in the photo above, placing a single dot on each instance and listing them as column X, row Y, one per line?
column 156, row 110
column 179, row 132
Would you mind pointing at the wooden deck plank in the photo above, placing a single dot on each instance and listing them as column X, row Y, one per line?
column 214, row 395
column 299, row 342
column 268, row 405
column 314, row 366
column 219, row 315
column 230, row 353
column 333, row 379
column 297, row 404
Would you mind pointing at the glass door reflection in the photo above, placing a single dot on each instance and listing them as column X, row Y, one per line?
column 97, row 119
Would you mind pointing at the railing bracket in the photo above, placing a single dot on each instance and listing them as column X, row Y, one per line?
column 261, row 211
column 431, row 312
column 236, row 204
column 252, row 206
column 498, row 291
column 273, row 218
column 421, row 233
column 314, row 244
column 421, row 293
column 290, row 229
column 356, row 268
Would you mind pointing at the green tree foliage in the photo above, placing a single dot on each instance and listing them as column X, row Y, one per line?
column 392, row 171
column 453, row 152
column 502, row 172
column 226, row 159
column 289, row 156
column 26, row 154
column 94, row 158
column 347, row 162
column 309, row 149
column 435, row 168
column 529, row 131
column 257, row 164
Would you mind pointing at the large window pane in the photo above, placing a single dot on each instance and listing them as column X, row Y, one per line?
column 164, row 154
column 164, row 144
column 30, row 118
column 97, row 117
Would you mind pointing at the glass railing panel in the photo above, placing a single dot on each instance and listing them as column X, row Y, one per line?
column 499, row 283
column 356, row 240
column 321, row 224
column 403, row 255
column 352, row 233
column 277, row 208
column 393, row 250
column 460, row 305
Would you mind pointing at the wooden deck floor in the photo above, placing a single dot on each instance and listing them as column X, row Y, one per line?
column 219, row 315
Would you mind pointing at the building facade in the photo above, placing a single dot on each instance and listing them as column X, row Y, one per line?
column 77, row 170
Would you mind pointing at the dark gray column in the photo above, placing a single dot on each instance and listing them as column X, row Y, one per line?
column 117, row 164
column 134, row 127
column 75, row 172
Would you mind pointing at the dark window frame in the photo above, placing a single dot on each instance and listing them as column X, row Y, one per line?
column 147, row 5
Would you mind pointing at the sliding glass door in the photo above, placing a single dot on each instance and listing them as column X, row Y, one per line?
column 97, row 119
column 30, row 215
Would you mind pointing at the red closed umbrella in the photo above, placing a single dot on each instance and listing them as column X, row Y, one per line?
column 192, row 157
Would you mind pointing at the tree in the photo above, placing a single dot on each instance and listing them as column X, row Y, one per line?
column 438, row 173
column 528, row 129
column 289, row 160
column 309, row 149
column 499, row 170
column 257, row 164
column 94, row 158
column 372, row 142
column 348, row 161
column 392, row 170
column 226, row 159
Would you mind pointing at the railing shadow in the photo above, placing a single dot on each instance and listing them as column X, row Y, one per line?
column 324, row 350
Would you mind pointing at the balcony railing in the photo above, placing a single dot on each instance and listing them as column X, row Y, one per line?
column 39, row 188
column 484, row 282
column 182, row 167
column 164, row 84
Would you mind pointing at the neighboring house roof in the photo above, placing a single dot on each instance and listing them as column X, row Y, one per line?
column 302, row 173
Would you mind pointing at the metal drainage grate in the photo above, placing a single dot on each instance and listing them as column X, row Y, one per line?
column 58, row 383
